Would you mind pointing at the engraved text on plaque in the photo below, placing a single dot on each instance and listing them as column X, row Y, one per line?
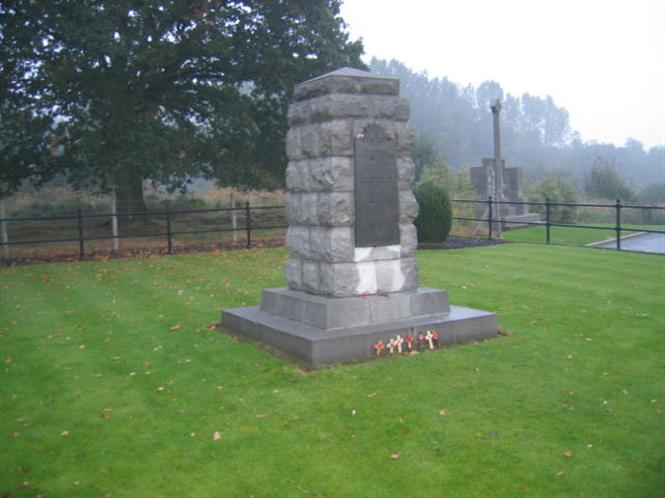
column 376, row 198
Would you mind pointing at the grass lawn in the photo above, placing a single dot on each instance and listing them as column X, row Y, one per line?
column 567, row 236
column 112, row 384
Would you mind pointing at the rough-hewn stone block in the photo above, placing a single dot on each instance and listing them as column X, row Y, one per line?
column 293, row 150
column 298, row 175
column 336, row 209
column 293, row 208
column 341, row 106
column 298, row 241
column 293, row 273
column 408, row 207
column 406, row 172
column 310, row 140
column 406, row 138
column 331, row 173
column 409, row 269
column 332, row 244
column 389, row 276
column 311, row 276
column 408, row 240
column 348, row 279
column 336, row 138
column 298, row 113
column 309, row 205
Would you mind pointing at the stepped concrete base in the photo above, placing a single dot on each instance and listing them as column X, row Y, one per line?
column 323, row 330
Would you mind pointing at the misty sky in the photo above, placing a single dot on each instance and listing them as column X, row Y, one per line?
column 603, row 60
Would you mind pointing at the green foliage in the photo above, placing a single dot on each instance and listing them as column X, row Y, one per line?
column 558, row 188
column 169, row 89
column 434, row 219
column 425, row 155
column 604, row 182
column 653, row 193
column 431, row 168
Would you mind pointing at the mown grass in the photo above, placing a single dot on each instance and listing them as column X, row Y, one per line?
column 113, row 384
column 568, row 236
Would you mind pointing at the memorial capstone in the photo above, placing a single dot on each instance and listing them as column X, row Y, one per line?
column 351, row 272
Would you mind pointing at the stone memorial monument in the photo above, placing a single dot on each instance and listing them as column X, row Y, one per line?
column 482, row 179
column 352, row 274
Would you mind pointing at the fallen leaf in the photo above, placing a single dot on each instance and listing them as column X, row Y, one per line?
column 64, row 433
column 261, row 415
column 175, row 327
column 560, row 473
column 8, row 361
column 394, row 456
column 216, row 436
column 569, row 357
column 443, row 413
column 24, row 484
column 568, row 454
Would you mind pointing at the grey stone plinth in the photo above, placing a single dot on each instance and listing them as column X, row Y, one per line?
column 319, row 346
column 333, row 313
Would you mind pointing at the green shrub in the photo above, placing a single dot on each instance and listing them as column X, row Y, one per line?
column 435, row 217
column 558, row 188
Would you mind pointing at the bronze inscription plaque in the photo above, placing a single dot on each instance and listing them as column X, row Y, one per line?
column 377, row 203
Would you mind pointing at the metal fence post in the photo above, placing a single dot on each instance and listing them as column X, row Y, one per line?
column 248, row 224
column 548, row 222
column 79, row 217
column 617, row 206
column 489, row 212
column 4, row 237
column 114, row 221
column 169, row 230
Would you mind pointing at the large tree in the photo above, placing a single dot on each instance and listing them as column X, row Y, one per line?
column 173, row 88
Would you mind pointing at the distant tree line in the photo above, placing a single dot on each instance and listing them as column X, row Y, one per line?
column 536, row 135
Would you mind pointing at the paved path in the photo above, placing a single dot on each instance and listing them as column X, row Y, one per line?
column 646, row 242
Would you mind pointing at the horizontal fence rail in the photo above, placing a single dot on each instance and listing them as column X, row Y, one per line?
column 247, row 215
column 492, row 220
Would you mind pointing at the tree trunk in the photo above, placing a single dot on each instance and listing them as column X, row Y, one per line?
column 129, row 198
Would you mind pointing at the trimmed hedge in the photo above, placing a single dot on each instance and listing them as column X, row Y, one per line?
column 435, row 217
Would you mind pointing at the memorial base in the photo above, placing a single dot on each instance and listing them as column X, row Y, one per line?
column 321, row 330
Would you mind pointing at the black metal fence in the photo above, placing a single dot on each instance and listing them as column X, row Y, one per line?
column 492, row 221
column 248, row 218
